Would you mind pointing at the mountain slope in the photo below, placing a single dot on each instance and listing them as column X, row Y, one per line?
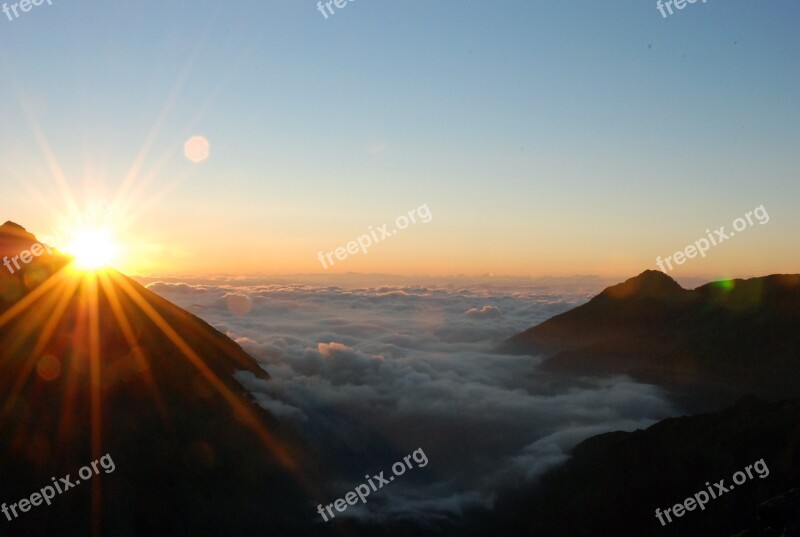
column 737, row 335
column 614, row 482
column 96, row 364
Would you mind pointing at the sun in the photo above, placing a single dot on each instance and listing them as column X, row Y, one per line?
column 92, row 248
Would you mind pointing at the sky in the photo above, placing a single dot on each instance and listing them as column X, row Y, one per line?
column 544, row 138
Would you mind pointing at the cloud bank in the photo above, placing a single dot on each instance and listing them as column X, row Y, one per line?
column 369, row 374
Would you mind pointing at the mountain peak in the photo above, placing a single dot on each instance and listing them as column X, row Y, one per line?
column 621, row 311
column 11, row 231
column 23, row 266
column 648, row 284
column 736, row 336
column 11, row 225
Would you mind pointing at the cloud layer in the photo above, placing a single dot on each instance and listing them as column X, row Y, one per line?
column 369, row 374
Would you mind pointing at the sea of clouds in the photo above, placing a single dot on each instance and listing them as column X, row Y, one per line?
column 368, row 373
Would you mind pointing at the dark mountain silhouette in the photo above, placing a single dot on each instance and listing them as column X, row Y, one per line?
column 736, row 336
column 14, row 281
column 728, row 337
column 614, row 482
column 97, row 364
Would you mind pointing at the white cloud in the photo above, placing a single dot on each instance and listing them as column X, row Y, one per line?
column 485, row 312
column 368, row 374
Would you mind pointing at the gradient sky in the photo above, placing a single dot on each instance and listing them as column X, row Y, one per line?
column 546, row 138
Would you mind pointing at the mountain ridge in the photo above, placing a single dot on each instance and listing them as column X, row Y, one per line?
column 742, row 332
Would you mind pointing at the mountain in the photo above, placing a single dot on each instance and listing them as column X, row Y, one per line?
column 730, row 337
column 18, row 277
column 94, row 365
column 614, row 482
column 735, row 336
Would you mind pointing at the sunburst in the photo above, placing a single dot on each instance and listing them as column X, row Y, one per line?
column 95, row 245
column 92, row 248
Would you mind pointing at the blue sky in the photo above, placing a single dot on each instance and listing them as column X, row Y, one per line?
column 546, row 137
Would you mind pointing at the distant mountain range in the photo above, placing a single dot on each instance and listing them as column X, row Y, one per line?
column 94, row 365
column 734, row 336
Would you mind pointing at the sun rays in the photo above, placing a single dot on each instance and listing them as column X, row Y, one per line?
column 90, row 308
column 57, row 335
column 84, row 292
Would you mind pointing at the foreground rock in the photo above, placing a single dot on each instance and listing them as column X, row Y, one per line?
column 614, row 482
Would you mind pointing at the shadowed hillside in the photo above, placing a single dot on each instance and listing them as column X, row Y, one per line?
column 614, row 482
column 95, row 364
